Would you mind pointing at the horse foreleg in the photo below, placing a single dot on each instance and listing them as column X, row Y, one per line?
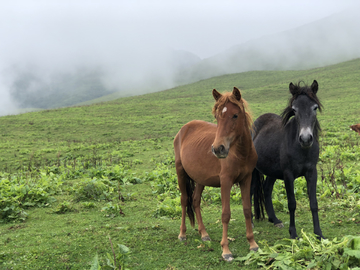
column 268, row 189
column 225, row 218
column 196, row 202
column 289, row 186
column 246, row 202
column 311, row 179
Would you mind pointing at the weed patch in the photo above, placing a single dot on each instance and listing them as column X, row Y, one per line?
column 306, row 252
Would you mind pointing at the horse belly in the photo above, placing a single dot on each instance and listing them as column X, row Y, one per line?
column 274, row 172
column 203, row 167
column 196, row 157
column 205, row 178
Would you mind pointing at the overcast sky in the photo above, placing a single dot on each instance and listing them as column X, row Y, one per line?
column 203, row 27
column 124, row 36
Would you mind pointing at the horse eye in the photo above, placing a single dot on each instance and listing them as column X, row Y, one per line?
column 316, row 107
column 235, row 116
column 294, row 111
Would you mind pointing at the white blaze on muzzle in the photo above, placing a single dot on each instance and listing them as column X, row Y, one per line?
column 305, row 131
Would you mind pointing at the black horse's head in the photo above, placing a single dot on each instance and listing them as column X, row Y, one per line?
column 303, row 106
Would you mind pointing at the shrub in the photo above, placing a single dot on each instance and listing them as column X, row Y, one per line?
column 63, row 208
column 23, row 192
column 170, row 207
column 93, row 189
column 112, row 210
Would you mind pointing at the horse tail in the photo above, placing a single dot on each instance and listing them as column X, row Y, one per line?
column 258, row 191
column 190, row 186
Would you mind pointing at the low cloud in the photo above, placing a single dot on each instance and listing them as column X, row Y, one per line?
column 132, row 47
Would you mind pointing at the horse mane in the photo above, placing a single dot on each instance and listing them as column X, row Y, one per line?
column 301, row 90
column 242, row 104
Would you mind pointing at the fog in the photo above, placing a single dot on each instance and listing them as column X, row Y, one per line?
column 132, row 47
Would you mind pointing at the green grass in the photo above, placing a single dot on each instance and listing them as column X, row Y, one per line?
column 137, row 132
column 69, row 241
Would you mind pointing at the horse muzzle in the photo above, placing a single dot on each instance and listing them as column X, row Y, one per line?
column 220, row 152
column 306, row 139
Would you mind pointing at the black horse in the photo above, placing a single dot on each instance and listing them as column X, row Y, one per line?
column 287, row 148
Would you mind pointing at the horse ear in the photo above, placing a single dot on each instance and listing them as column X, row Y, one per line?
column 236, row 93
column 315, row 87
column 216, row 95
column 292, row 88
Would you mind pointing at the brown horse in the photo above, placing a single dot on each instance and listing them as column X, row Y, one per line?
column 217, row 156
column 355, row 128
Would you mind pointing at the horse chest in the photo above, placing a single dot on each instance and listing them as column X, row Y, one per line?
column 299, row 162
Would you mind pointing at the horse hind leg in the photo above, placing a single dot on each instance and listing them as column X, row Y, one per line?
column 268, row 189
column 186, row 189
column 196, row 202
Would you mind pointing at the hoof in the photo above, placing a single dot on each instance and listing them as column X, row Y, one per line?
column 254, row 249
column 228, row 257
column 206, row 238
column 182, row 238
column 279, row 225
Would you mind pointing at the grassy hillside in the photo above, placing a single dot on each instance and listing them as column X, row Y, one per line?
column 123, row 149
column 50, row 134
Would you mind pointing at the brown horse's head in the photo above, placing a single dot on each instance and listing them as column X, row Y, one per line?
column 232, row 120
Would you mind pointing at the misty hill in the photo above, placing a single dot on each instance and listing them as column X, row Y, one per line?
column 182, row 60
column 32, row 88
column 328, row 41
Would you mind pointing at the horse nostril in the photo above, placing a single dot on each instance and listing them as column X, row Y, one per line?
column 219, row 152
column 221, row 149
column 307, row 139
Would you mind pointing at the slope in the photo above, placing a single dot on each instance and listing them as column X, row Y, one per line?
column 60, row 133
